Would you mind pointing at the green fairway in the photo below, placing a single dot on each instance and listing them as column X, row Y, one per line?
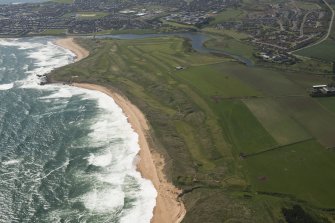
column 303, row 171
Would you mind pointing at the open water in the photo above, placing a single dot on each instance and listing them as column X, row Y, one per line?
column 66, row 154
column 20, row 1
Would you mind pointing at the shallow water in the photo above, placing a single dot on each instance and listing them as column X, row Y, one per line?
column 66, row 154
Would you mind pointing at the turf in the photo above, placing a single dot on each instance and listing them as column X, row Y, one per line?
column 54, row 32
column 211, row 82
column 277, row 121
column 232, row 45
column 295, row 171
column 317, row 120
column 243, row 129
column 323, row 51
column 63, row 1
column 227, row 15
column 327, row 103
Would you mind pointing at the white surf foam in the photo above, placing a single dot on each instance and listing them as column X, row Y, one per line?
column 4, row 87
column 11, row 162
column 110, row 133
column 45, row 55
column 100, row 160
column 101, row 201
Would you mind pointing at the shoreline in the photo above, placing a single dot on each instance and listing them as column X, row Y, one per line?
column 169, row 208
column 69, row 43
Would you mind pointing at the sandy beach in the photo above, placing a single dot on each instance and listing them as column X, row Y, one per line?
column 70, row 44
column 169, row 209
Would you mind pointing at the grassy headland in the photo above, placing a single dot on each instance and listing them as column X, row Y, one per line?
column 245, row 144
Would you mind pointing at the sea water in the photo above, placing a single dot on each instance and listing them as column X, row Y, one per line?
column 20, row 1
column 66, row 154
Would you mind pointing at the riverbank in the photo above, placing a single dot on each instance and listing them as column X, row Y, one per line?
column 151, row 165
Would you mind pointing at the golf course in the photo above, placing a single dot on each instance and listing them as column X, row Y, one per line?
column 244, row 143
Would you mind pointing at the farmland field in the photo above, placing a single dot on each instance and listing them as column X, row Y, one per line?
column 297, row 171
column 324, row 51
column 278, row 123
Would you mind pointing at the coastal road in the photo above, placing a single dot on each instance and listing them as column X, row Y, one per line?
column 328, row 32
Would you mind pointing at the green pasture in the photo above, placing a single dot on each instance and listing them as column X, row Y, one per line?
column 323, row 51
column 91, row 15
column 327, row 103
column 228, row 15
column 277, row 121
column 271, row 82
column 63, row 1
column 242, row 128
column 307, row 5
column 317, row 120
column 231, row 45
column 226, row 32
column 54, row 32
column 211, row 81
column 301, row 172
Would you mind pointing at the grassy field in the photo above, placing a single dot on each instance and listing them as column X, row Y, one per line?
column 239, row 140
column 226, row 32
column 87, row 15
column 303, row 170
column 306, row 5
column 63, row 1
column 178, row 25
column 232, row 45
column 54, row 32
column 283, row 128
column 227, row 15
column 327, row 103
column 91, row 15
column 323, row 51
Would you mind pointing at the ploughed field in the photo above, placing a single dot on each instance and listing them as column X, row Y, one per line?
column 243, row 142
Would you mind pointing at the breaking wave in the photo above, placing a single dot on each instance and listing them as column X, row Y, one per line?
column 96, row 168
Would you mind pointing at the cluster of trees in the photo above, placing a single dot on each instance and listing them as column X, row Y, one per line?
column 297, row 215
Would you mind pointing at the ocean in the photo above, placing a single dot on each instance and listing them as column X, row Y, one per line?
column 66, row 154
column 20, row 1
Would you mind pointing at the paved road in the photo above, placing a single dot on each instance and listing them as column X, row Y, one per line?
column 329, row 29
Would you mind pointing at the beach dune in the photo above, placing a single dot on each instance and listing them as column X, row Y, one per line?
column 169, row 208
